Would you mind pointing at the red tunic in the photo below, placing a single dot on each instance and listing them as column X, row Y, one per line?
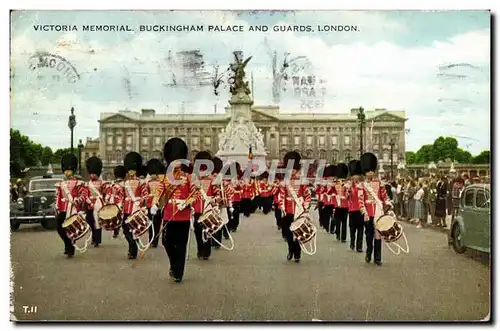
column 341, row 196
column 226, row 193
column 276, row 192
column 151, row 188
column 70, row 189
column 92, row 191
column 115, row 194
column 356, row 196
column 379, row 191
column 328, row 196
column 211, row 191
column 287, row 202
column 265, row 190
column 133, row 192
column 319, row 192
column 248, row 190
column 171, row 211
column 237, row 185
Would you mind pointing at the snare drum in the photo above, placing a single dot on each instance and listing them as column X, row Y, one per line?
column 138, row 223
column 211, row 221
column 302, row 228
column 76, row 227
column 110, row 217
column 389, row 228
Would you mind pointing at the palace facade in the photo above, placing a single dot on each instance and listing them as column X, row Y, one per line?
column 335, row 136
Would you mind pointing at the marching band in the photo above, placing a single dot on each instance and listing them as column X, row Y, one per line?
column 168, row 198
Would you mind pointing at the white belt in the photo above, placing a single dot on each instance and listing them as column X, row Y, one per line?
column 176, row 201
column 370, row 201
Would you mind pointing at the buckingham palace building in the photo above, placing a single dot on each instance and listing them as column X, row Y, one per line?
column 333, row 136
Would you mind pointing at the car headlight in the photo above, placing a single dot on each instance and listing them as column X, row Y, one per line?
column 43, row 199
column 20, row 201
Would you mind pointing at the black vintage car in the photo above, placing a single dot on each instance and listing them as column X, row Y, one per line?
column 38, row 205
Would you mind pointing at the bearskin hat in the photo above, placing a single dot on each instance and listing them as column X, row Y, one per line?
column 218, row 164
column 154, row 167
column 355, row 168
column 204, row 155
column 329, row 171
column 187, row 168
column 133, row 161
column 94, row 165
column 143, row 171
column 264, row 175
column 333, row 171
column 69, row 162
column 292, row 156
column 342, row 170
column 175, row 149
column 119, row 172
column 368, row 162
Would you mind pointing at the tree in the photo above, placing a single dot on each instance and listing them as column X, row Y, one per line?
column 58, row 154
column 47, row 156
column 444, row 148
column 410, row 157
column 462, row 156
column 482, row 158
column 425, row 154
column 27, row 153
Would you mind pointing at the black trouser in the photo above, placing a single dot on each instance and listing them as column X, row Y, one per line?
column 156, row 218
column 246, row 207
column 267, row 204
column 175, row 238
column 341, row 223
column 132, row 243
column 293, row 245
column 234, row 221
column 116, row 232
column 320, row 208
column 277, row 215
column 96, row 233
column 325, row 218
column 356, row 225
column 68, row 244
column 204, row 248
column 372, row 244
column 223, row 230
column 256, row 203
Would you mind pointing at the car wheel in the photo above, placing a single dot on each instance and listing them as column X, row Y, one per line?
column 14, row 225
column 49, row 224
column 458, row 245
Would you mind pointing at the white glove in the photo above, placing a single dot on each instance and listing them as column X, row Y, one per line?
column 231, row 210
column 180, row 206
column 154, row 209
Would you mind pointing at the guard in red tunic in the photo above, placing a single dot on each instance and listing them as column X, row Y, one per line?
column 115, row 191
column 342, row 204
column 375, row 200
column 154, row 167
column 356, row 198
column 237, row 184
column 181, row 193
column 133, row 198
column 209, row 193
column 247, row 196
column 296, row 199
column 275, row 193
column 327, row 196
column 265, row 191
column 319, row 188
column 69, row 198
column 224, row 200
column 94, row 197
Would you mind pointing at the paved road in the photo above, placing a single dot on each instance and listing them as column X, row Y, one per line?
column 252, row 282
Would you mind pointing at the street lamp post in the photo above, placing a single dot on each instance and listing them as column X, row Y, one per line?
column 71, row 125
column 80, row 150
column 391, row 143
column 361, row 119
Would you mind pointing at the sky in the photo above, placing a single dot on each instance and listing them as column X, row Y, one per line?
column 433, row 65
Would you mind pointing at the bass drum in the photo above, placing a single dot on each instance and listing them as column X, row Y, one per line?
column 304, row 231
column 391, row 231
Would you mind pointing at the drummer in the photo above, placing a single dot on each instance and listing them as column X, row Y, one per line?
column 93, row 191
column 373, row 191
column 68, row 199
column 200, row 205
column 224, row 200
column 356, row 205
column 133, row 198
column 289, row 205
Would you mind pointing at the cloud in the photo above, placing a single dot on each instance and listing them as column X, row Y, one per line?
column 367, row 68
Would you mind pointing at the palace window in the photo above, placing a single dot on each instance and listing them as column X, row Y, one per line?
column 129, row 139
column 309, row 140
column 335, row 156
column 145, row 141
column 321, row 140
column 395, row 157
column 195, row 140
column 119, row 140
column 109, row 147
column 347, row 156
column 386, row 156
column 347, row 140
column 284, row 140
column 157, row 141
column 109, row 140
column 208, row 141
column 333, row 140
column 296, row 140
